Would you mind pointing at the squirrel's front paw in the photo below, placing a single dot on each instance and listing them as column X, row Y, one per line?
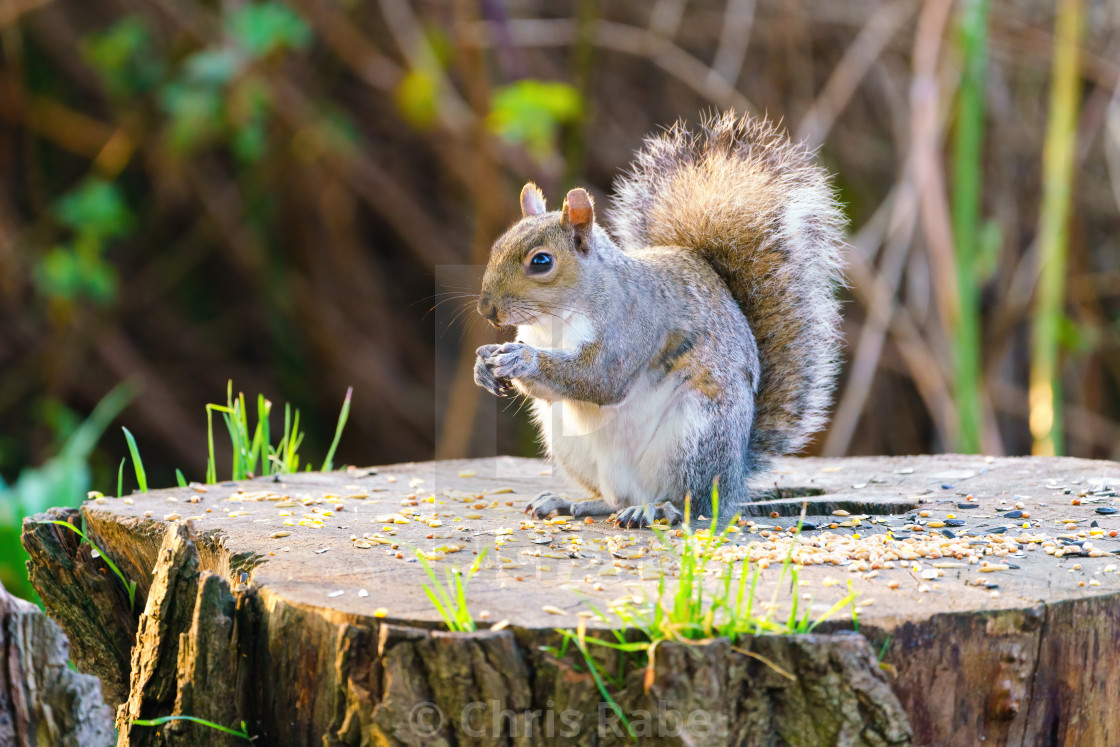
column 513, row 360
column 484, row 374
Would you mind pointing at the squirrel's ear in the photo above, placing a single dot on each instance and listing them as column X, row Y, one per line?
column 579, row 215
column 532, row 200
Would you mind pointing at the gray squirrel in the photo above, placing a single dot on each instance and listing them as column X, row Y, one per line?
column 697, row 343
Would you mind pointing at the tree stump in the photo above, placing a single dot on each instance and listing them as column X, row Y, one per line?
column 297, row 606
column 42, row 701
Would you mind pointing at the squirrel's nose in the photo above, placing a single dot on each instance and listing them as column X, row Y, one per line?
column 489, row 311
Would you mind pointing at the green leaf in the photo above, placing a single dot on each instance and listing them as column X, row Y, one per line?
column 195, row 114
column 67, row 274
column 268, row 27
column 417, row 98
column 530, row 112
column 249, row 141
column 96, row 209
column 124, row 56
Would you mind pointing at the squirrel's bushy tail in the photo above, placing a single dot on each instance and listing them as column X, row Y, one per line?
column 763, row 214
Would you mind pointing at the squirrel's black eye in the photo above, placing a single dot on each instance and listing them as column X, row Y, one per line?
column 541, row 262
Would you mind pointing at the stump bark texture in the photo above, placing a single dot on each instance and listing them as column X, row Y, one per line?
column 297, row 607
column 42, row 700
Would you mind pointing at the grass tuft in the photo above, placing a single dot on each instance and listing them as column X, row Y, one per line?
column 252, row 450
column 450, row 601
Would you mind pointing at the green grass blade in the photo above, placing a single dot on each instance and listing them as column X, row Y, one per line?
column 343, row 416
column 211, row 463
column 129, row 585
column 243, row 733
column 448, row 618
column 180, row 479
column 462, row 613
column 968, row 146
column 849, row 598
column 436, row 585
column 594, row 669
column 120, row 478
column 292, row 461
column 137, row 462
column 264, row 409
column 1059, row 152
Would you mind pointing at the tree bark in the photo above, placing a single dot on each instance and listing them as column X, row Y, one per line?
column 42, row 700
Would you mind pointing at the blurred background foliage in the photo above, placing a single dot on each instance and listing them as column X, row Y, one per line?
column 280, row 193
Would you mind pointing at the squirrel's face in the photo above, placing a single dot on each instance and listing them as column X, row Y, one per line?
column 536, row 264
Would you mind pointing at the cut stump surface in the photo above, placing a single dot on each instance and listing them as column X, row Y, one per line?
column 299, row 604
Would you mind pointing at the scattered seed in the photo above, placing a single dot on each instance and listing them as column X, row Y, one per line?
column 553, row 610
column 278, row 535
column 338, row 593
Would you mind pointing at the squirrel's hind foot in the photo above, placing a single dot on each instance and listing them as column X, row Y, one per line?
column 636, row 517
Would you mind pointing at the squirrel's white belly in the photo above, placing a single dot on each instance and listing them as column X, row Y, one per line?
column 627, row 451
